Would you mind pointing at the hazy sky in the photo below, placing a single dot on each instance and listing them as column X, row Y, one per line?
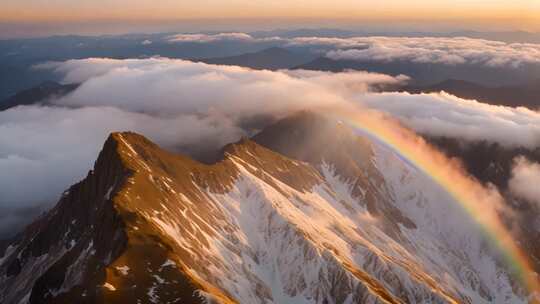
column 459, row 14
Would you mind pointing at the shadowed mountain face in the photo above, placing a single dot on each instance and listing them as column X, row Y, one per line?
column 279, row 219
column 512, row 96
column 492, row 163
column 488, row 162
column 41, row 94
column 271, row 59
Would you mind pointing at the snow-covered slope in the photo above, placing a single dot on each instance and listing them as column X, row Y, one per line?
column 346, row 222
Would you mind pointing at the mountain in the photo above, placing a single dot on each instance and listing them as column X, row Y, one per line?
column 512, row 96
column 40, row 94
column 280, row 218
column 273, row 58
column 18, row 57
column 307, row 32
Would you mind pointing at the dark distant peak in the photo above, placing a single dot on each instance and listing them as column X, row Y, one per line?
column 40, row 94
column 323, row 64
column 320, row 32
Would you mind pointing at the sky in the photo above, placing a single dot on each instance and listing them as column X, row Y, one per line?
column 145, row 15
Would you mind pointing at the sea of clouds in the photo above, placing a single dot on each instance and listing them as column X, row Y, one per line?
column 192, row 107
column 436, row 50
column 183, row 106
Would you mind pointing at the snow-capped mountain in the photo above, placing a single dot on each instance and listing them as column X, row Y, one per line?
column 307, row 211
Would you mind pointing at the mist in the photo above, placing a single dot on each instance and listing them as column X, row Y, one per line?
column 525, row 180
column 442, row 114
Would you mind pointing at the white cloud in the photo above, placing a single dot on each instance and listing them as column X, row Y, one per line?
column 206, row 38
column 183, row 104
column 146, row 42
column 220, row 37
column 449, row 51
column 176, row 103
column 443, row 114
column 438, row 50
column 525, row 180
column 61, row 144
column 348, row 82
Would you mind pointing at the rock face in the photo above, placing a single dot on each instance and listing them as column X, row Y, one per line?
column 280, row 218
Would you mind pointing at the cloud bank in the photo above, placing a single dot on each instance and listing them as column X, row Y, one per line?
column 448, row 51
column 442, row 114
column 525, row 180
column 206, row 38
column 196, row 107
column 436, row 50
column 182, row 105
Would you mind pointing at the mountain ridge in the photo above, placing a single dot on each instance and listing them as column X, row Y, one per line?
column 254, row 227
column 273, row 58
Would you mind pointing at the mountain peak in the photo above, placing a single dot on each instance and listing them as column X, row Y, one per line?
column 268, row 223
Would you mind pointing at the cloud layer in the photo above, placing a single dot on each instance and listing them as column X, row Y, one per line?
column 219, row 37
column 443, row 114
column 448, row 51
column 436, row 50
column 185, row 106
column 205, row 38
column 525, row 180
column 194, row 107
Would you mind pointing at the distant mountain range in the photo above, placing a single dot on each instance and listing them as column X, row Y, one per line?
column 272, row 59
column 512, row 96
column 18, row 56
column 40, row 94
column 424, row 74
column 506, row 36
column 527, row 95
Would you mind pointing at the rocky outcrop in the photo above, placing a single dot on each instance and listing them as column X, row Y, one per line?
column 306, row 212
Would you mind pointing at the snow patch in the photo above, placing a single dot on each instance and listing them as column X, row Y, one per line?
column 124, row 270
column 108, row 194
column 109, row 286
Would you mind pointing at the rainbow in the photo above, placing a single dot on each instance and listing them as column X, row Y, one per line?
column 462, row 188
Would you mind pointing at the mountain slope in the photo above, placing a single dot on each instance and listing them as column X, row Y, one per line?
column 274, row 58
column 351, row 225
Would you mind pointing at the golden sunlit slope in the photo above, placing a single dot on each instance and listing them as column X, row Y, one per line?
column 343, row 222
